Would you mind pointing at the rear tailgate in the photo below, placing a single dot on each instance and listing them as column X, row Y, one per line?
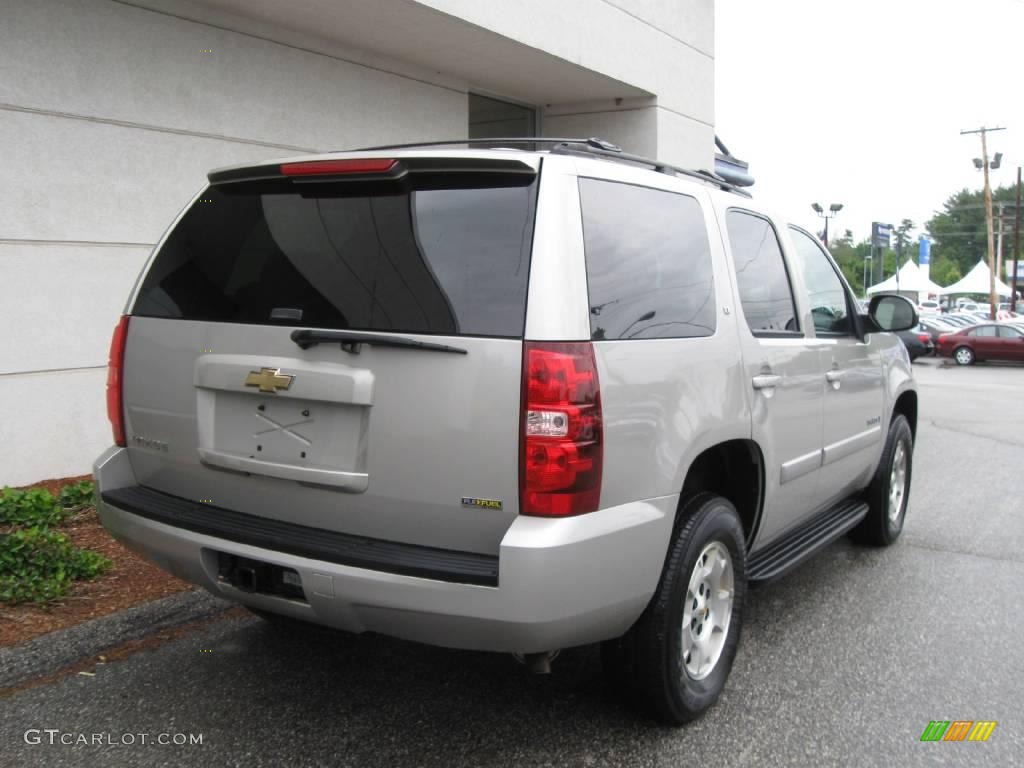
column 238, row 395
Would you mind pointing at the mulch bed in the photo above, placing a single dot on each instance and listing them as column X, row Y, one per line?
column 130, row 581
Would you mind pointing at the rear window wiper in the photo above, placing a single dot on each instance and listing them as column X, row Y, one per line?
column 351, row 341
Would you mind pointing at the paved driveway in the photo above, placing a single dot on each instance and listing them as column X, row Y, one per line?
column 843, row 662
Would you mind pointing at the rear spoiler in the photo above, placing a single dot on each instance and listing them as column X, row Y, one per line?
column 370, row 169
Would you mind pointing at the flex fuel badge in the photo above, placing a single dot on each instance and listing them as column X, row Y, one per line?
column 484, row 503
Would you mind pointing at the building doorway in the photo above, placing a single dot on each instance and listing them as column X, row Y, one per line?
column 493, row 118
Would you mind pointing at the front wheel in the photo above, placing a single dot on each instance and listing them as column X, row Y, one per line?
column 675, row 660
column 964, row 356
column 889, row 492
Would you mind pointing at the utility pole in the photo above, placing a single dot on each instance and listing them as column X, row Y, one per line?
column 1016, row 248
column 999, row 240
column 993, row 299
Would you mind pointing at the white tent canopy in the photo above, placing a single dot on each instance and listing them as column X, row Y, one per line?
column 911, row 280
column 976, row 281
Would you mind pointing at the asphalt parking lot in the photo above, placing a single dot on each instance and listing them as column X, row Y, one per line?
column 843, row 662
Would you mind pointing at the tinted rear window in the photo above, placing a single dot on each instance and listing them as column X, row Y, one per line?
column 649, row 269
column 449, row 261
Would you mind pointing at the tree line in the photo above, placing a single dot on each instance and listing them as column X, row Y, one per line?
column 957, row 233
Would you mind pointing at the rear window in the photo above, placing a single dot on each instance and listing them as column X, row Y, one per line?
column 450, row 261
column 649, row 271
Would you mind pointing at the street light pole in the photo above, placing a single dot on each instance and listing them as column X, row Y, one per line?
column 833, row 209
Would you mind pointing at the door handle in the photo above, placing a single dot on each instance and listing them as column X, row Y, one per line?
column 766, row 381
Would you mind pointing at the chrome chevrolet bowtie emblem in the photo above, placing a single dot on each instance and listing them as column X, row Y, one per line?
column 268, row 379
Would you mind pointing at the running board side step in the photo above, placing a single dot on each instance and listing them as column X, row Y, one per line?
column 795, row 547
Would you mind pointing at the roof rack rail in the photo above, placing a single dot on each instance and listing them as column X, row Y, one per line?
column 570, row 148
column 597, row 143
column 593, row 147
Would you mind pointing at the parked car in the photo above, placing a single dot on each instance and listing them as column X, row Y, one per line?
column 503, row 400
column 928, row 307
column 918, row 342
column 972, row 306
column 959, row 321
column 977, row 317
column 935, row 327
column 990, row 341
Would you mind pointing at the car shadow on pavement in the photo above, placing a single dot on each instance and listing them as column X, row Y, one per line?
column 380, row 696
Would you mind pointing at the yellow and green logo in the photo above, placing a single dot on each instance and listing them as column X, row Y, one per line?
column 958, row 730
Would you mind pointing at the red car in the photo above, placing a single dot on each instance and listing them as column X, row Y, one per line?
column 983, row 342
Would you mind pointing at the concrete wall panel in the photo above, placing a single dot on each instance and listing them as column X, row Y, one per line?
column 61, row 302
column 118, row 62
column 54, row 424
column 691, row 22
column 81, row 180
column 684, row 142
column 615, row 41
column 635, row 130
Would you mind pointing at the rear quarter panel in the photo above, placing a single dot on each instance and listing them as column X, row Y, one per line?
column 664, row 401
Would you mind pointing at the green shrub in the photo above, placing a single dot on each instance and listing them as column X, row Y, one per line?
column 38, row 506
column 38, row 565
column 33, row 507
column 78, row 495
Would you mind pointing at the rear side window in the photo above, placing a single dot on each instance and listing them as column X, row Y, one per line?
column 761, row 275
column 451, row 261
column 984, row 331
column 648, row 263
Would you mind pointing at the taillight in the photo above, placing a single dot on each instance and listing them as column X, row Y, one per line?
column 332, row 167
column 924, row 337
column 115, row 380
column 562, row 452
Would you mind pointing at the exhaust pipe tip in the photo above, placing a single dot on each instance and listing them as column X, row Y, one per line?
column 537, row 663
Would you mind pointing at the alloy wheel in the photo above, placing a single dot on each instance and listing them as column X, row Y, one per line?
column 708, row 610
column 897, row 483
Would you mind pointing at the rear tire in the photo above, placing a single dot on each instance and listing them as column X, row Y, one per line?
column 675, row 660
column 963, row 356
column 889, row 492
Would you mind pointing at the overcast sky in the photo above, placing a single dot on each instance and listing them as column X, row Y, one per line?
column 861, row 102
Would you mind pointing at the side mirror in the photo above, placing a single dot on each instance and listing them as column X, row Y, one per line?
column 892, row 313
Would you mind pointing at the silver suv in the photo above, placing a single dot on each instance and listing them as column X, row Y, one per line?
column 503, row 400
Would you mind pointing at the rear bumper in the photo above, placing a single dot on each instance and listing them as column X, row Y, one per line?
column 560, row 583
